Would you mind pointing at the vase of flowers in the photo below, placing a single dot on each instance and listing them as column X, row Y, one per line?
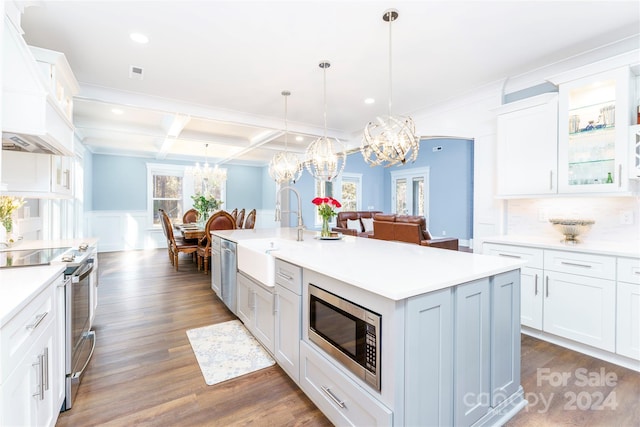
column 326, row 211
column 205, row 205
column 8, row 205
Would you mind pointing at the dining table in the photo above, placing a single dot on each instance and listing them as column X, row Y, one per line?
column 190, row 230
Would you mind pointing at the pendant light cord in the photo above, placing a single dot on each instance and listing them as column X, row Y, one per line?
column 324, row 69
column 390, row 15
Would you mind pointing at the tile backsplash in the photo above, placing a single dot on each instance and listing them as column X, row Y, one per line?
column 531, row 217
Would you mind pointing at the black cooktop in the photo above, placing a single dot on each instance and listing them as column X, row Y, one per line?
column 29, row 257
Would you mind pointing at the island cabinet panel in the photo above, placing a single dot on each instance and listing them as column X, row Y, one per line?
column 628, row 316
column 342, row 400
column 505, row 336
column 255, row 309
column 288, row 290
column 429, row 377
column 216, row 266
column 472, row 352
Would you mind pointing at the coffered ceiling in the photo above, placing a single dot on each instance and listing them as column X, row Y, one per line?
column 213, row 71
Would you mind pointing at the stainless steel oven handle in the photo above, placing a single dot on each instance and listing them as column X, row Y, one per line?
column 85, row 273
column 333, row 397
column 76, row 375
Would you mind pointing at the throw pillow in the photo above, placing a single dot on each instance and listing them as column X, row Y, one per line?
column 367, row 223
column 354, row 224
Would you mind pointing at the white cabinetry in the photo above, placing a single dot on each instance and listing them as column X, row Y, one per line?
column 255, row 309
column 568, row 294
column 288, row 288
column 30, row 375
column 527, row 150
column 216, row 266
column 593, row 142
column 36, row 175
column 628, row 316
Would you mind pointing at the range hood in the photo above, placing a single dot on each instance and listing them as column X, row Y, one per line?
column 34, row 117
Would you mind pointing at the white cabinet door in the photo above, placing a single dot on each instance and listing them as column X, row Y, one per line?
column 244, row 299
column 628, row 320
column 216, row 263
column 263, row 316
column 580, row 308
column 61, row 175
column 527, row 147
column 287, row 331
column 593, row 142
column 26, row 172
column 531, row 297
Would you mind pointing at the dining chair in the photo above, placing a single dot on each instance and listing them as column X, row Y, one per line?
column 240, row 218
column 190, row 216
column 250, row 221
column 177, row 246
column 220, row 220
column 234, row 213
column 164, row 231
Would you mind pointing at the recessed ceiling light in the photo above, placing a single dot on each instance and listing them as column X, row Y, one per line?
column 369, row 101
column 299, row 138
column 139, row 38
column 117, row 111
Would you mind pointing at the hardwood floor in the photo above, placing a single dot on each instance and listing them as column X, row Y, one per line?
column 144, row 372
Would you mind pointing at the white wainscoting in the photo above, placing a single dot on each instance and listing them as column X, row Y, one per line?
column 130, row 230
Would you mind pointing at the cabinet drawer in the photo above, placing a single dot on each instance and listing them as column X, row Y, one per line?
column 289, row 276
column 340, row 399
column 629, row 270
column 599, row 266
column 22, row 331
column 532, row 255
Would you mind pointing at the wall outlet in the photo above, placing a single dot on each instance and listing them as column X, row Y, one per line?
column 626, row 217
column 444, row 233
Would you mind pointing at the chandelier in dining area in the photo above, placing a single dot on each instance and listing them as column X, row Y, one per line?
column 325, row 157
column 390, row 140
column 207, row 178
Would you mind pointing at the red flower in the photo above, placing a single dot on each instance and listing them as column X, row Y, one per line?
column 325, row 206
column 317, row 201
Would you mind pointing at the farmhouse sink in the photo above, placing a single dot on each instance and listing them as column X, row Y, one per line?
column 256, row 260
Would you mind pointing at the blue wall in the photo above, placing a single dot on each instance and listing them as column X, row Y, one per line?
column 119, row 183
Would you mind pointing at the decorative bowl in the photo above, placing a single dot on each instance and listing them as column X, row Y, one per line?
column 571, row 228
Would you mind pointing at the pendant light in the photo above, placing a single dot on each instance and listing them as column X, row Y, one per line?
column 206, row 178
column 285, row 166
column 325, row 157
column 390, row 140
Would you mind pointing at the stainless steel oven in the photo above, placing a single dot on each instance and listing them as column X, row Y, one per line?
column 347, row 332
column 80, row 341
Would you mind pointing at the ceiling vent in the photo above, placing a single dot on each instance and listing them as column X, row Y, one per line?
column 136, row 73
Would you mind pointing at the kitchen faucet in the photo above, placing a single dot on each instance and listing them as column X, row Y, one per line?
column 300, row 226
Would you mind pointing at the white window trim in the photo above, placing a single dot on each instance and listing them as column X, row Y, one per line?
column 409, row 174
column 166, row 169
column 357, row 177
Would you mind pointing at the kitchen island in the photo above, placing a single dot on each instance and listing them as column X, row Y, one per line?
column 449, row 332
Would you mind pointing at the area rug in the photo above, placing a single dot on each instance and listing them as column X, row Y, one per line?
column 227, row 350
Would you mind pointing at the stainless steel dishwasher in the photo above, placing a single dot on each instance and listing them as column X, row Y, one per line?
column 229, row 271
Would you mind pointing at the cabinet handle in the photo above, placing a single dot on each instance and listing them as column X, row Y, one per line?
column 510, row 256
column 536, row 285
column 333, row 397
column 284, row 276
column 45, row 369
column 575, row 264
column 67, row 179
column 551, row 180
column 547, row 285
column 38, row 365
column 620, row 175
column 39, row 318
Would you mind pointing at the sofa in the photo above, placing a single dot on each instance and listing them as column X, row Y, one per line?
column 350, row 223
column 410, row 229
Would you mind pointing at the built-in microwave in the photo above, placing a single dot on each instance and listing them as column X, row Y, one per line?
column 347, row 332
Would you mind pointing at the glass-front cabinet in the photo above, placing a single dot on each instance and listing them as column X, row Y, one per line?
column 594, row 120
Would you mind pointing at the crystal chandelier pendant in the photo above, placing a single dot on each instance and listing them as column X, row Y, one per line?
column 285, row 166
column 390, row 140
column 325, row 157
column 206, row 178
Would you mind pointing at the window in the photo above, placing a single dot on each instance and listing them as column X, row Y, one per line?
column 165, row 183
column 351, row 189
column 323, row 189
column 409, row 191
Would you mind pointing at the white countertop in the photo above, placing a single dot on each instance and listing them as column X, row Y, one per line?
column 622, row 249
column 58, row 243
column 18, row 286
column 393, row 270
